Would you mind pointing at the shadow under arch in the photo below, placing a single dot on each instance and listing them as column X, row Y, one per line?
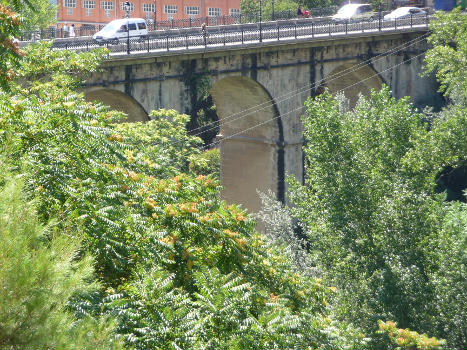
column 353, row 79
column 119, row 101
column 252, row 141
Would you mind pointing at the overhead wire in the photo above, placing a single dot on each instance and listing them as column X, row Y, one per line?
column 298, row 108
column 281, row 98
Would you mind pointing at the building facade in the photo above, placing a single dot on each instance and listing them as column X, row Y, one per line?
column 95, row 13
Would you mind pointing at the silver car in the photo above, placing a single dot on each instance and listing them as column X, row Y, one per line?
column 404, row 12
column 354, row 13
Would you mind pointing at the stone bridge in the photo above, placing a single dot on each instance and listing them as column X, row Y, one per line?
column 259, row 91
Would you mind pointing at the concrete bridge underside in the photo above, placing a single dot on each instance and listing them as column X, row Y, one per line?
column 259, row 94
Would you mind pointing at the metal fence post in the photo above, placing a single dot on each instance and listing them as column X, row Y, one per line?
column 186, row 41
column 346, row 24
column 329, row 27
column 395, row 23
column 379, row 16
column 296, row 29
column 167, row 42
column 224, row 37
column 147, row 37
column 278, row 32
column 411, row 24
column 242, row 35
column 312, row 29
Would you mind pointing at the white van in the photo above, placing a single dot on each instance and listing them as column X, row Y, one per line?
column 116, row 31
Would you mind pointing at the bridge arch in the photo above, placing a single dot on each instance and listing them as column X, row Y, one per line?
column 251, row 134
column 119, row 101
column 353, row 79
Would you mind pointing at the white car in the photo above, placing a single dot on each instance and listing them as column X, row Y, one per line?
column 354, row 12
column 116, row 31
column 404, row 12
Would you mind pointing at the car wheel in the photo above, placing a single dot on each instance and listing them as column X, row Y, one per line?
column 115, row 41
column 372, row 18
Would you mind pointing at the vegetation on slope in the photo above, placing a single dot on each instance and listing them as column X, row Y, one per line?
column 176, row 267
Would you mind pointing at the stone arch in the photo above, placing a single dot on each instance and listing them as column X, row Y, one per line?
column 251, row 147
column 355, row 78
column 119, row 101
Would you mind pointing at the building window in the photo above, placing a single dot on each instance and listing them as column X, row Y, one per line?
column 107, row 6
column 132, row 6
column 214, row 11
column 170, row 9
column 149, row 8
column 70, row 5
column 89, row 5
column 234, row 12
column 192, row 10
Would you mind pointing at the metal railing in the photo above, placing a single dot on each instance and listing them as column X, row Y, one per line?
column 182, row 40
column 88, row 30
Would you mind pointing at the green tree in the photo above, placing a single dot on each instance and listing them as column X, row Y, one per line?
column 178, row 266
column 39, row 274
column 41, row 15
column 449, row 53
column 206, row 163
column 371, row 211
column 10, row 54
column 250, row 8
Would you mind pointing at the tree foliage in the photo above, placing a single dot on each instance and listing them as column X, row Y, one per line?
column 39, row 273
column 10, row 53
column 40, row 15
column 374, row 221
column 179, row 268
column 448, row 56
column 251, row 8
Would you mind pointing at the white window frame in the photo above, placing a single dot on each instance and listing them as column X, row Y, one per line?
column 234, row 12
column 192, row 10
column 132, row 6
column 89, row 4
column 170, row 9
column 148, row 8
column 69, row 4
column 107, row 5
column 214, row 12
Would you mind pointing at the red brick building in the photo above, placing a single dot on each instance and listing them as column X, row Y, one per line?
column 98, row 12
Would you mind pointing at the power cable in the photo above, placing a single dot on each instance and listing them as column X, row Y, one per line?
column 238, row 115
column 295, row 109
